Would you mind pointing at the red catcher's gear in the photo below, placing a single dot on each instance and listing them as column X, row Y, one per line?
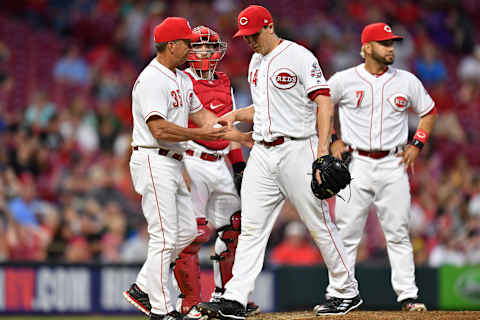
column 215, row 96
column 187, row 268
column 229, row 235
column 207, row 51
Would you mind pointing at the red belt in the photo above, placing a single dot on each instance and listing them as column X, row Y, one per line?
column 205, row 156
column 273, row 143
column 371, row 154
column 165, row 152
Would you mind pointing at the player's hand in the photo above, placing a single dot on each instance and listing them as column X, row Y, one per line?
column 212, row 132
column 228, row 118
column 409, row 155
column 337, row 148
column 233, row 134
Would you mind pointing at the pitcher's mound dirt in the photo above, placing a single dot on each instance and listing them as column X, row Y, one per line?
column 373, row 315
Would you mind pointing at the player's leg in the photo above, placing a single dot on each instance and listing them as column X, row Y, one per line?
column 295, row 179
column 157, row 182
column 223, row 212
column 223, row 202
column 261, row 200
column 314, row 213
column 393, row 208
column 351, row 214
column 187, row 267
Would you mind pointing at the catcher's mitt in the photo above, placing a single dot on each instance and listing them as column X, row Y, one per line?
column 334, row 174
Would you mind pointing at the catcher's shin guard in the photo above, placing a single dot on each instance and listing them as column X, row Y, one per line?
column 225, row 247
column 187, row 269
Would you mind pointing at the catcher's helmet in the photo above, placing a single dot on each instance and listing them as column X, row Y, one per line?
column 207, row 50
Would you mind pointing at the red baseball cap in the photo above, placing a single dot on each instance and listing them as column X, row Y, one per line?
column 378, row 32
column 252, row 19
column 173, row 28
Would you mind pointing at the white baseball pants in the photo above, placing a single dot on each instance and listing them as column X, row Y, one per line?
column 167, row 207
column 383, row 183
column 272, row 175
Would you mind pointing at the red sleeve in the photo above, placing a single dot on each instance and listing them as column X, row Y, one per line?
column 324, row 92
column 433, row 111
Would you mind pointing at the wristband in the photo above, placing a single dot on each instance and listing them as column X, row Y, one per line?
column 235, row 156
column 421, row 136
column 417, row 143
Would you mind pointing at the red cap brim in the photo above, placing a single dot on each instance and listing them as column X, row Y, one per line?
column 246, row 32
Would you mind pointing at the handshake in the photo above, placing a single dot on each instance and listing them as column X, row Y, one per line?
column 223, row 128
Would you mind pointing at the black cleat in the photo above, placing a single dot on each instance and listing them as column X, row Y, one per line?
column 252, row 309
column 338, row 306
column 174, row 315
column 223, row 309
column 138, row 298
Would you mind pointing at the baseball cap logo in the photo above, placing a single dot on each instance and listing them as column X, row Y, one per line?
column 243, row 21
column 387, row 29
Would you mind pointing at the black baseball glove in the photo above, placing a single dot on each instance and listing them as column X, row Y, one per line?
column 238, row 174
column 334, row 174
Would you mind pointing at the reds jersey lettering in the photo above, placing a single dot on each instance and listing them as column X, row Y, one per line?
column 177, row 98
column 284, row 79
column 282, row 106
column 373, row 110
column 215, row 96
column 253, row 78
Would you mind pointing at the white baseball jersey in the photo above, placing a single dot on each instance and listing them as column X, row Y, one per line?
column 373, row 116
column 159, row 91
column 373, row 110
column 166, row 202
column 280, row 83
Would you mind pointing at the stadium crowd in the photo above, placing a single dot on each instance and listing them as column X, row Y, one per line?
column 66, row 71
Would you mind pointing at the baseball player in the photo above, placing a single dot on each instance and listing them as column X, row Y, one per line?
column 213, row 190
column 163, row 100
column 372, row 100
column 290, row 96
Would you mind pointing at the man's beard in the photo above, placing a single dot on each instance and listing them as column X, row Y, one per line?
column 382, row 60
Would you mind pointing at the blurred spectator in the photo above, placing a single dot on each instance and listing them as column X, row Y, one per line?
column 474, row 202
column 404, row 49
column 136, row 247
column 72, row 67
column 23, row 206
column 449, row 251
column 40, row 111
column 296, row 249
column 429, row 68
column 469, row 68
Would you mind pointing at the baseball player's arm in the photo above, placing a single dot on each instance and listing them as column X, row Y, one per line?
column 165, row 130
column 337, row 147
column 324, row 123
column 243, row 115
column 411, row 152
column 203, row 118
